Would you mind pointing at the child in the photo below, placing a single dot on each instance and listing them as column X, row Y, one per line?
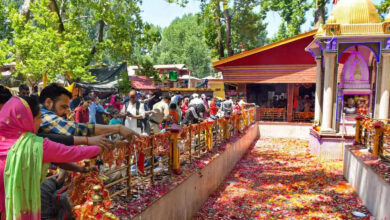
column 173, row 114
column 115, row 120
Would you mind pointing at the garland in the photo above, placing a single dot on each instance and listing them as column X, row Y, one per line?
column 161, row 144
column 81, row 192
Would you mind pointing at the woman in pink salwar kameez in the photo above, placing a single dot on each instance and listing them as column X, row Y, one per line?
column 24, row 158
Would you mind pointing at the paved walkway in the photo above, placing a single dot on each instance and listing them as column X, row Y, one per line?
column 280, row 179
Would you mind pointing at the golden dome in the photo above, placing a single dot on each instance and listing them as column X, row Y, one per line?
column 331, row 20
column 355, row 12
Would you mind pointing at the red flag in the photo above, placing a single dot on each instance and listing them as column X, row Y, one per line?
column 295, row 104
column 141, row 162
column 335, row 2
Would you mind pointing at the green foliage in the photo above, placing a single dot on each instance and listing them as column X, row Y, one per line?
column 383, row 8
column 145, row 68
column 247, row 26
column 95, row 32
column 183, row 42
column 124, row 82
column 38, row 48
column 292, row 13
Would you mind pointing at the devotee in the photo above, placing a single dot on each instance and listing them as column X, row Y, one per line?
column 133, row 112
column 100, row 140
column 99, row 111
column 206, row 105
column 154, row 99
column 115, row 118
column 161, row 113
column 242, row 102
column 116, row 102
column 5, row 95
column 173, row 114
column 227, row 106
column 82, row 112
column 213, row 108
column 177, row 100
column 19, row 142
column 194, row 114
column 236, row 108
column 184, row 106
column 54, row 101
column 92, row 108
column 34, row 91
column 24, row 90
column 74, row 103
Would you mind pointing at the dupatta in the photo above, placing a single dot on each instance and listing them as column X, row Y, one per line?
column 23, row 170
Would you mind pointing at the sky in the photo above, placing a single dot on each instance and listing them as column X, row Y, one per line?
column 161, row 13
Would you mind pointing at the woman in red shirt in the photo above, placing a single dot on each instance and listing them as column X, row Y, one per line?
column 184, row 107
column 82, row 112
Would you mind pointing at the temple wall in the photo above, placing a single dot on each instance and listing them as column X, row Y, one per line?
column 185, row 200
column 371, row 188
column 284, row 130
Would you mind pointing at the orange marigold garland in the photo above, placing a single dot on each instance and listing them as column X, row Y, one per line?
column 161, row 143
column 81, row 192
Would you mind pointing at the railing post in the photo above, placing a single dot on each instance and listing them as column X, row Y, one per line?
column 244, row 115
column 238, row 123
column 377, row 138
column 199, row 145
column 358, row 130
column 174, row 153
column 190, row 141
column 226, row 128
column 210, row 138
column 152, row 162
column 129, row 173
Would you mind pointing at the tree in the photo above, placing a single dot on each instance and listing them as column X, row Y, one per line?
column 183, row 42
column 383, row 8
column 50, row 37
column 292, row 13
column 320, row 12
column 239, row 22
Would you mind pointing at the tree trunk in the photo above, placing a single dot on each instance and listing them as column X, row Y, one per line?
column 217, row 12
column 228, row 27
column 319, row 15
column 25, row 10
column 54, row 8
column 99, row 37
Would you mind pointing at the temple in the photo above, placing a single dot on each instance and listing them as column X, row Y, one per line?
column 351, row 52
column 279, row 77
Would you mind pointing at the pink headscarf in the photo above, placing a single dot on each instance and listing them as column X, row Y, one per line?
column 15, row 119
column 113, row 103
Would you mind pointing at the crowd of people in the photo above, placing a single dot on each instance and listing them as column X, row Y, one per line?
column 37, row 132
column 150, row 114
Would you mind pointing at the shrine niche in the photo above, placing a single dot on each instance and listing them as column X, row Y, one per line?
column 354, row 88
column 355, row 74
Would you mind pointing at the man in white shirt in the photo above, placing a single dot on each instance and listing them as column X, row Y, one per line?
column 161, row 113
column 134, row 111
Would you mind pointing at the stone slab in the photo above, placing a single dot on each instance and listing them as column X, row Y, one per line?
column 185, row 200
column 328, row 148
column 371, row 188
column 285, row 130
